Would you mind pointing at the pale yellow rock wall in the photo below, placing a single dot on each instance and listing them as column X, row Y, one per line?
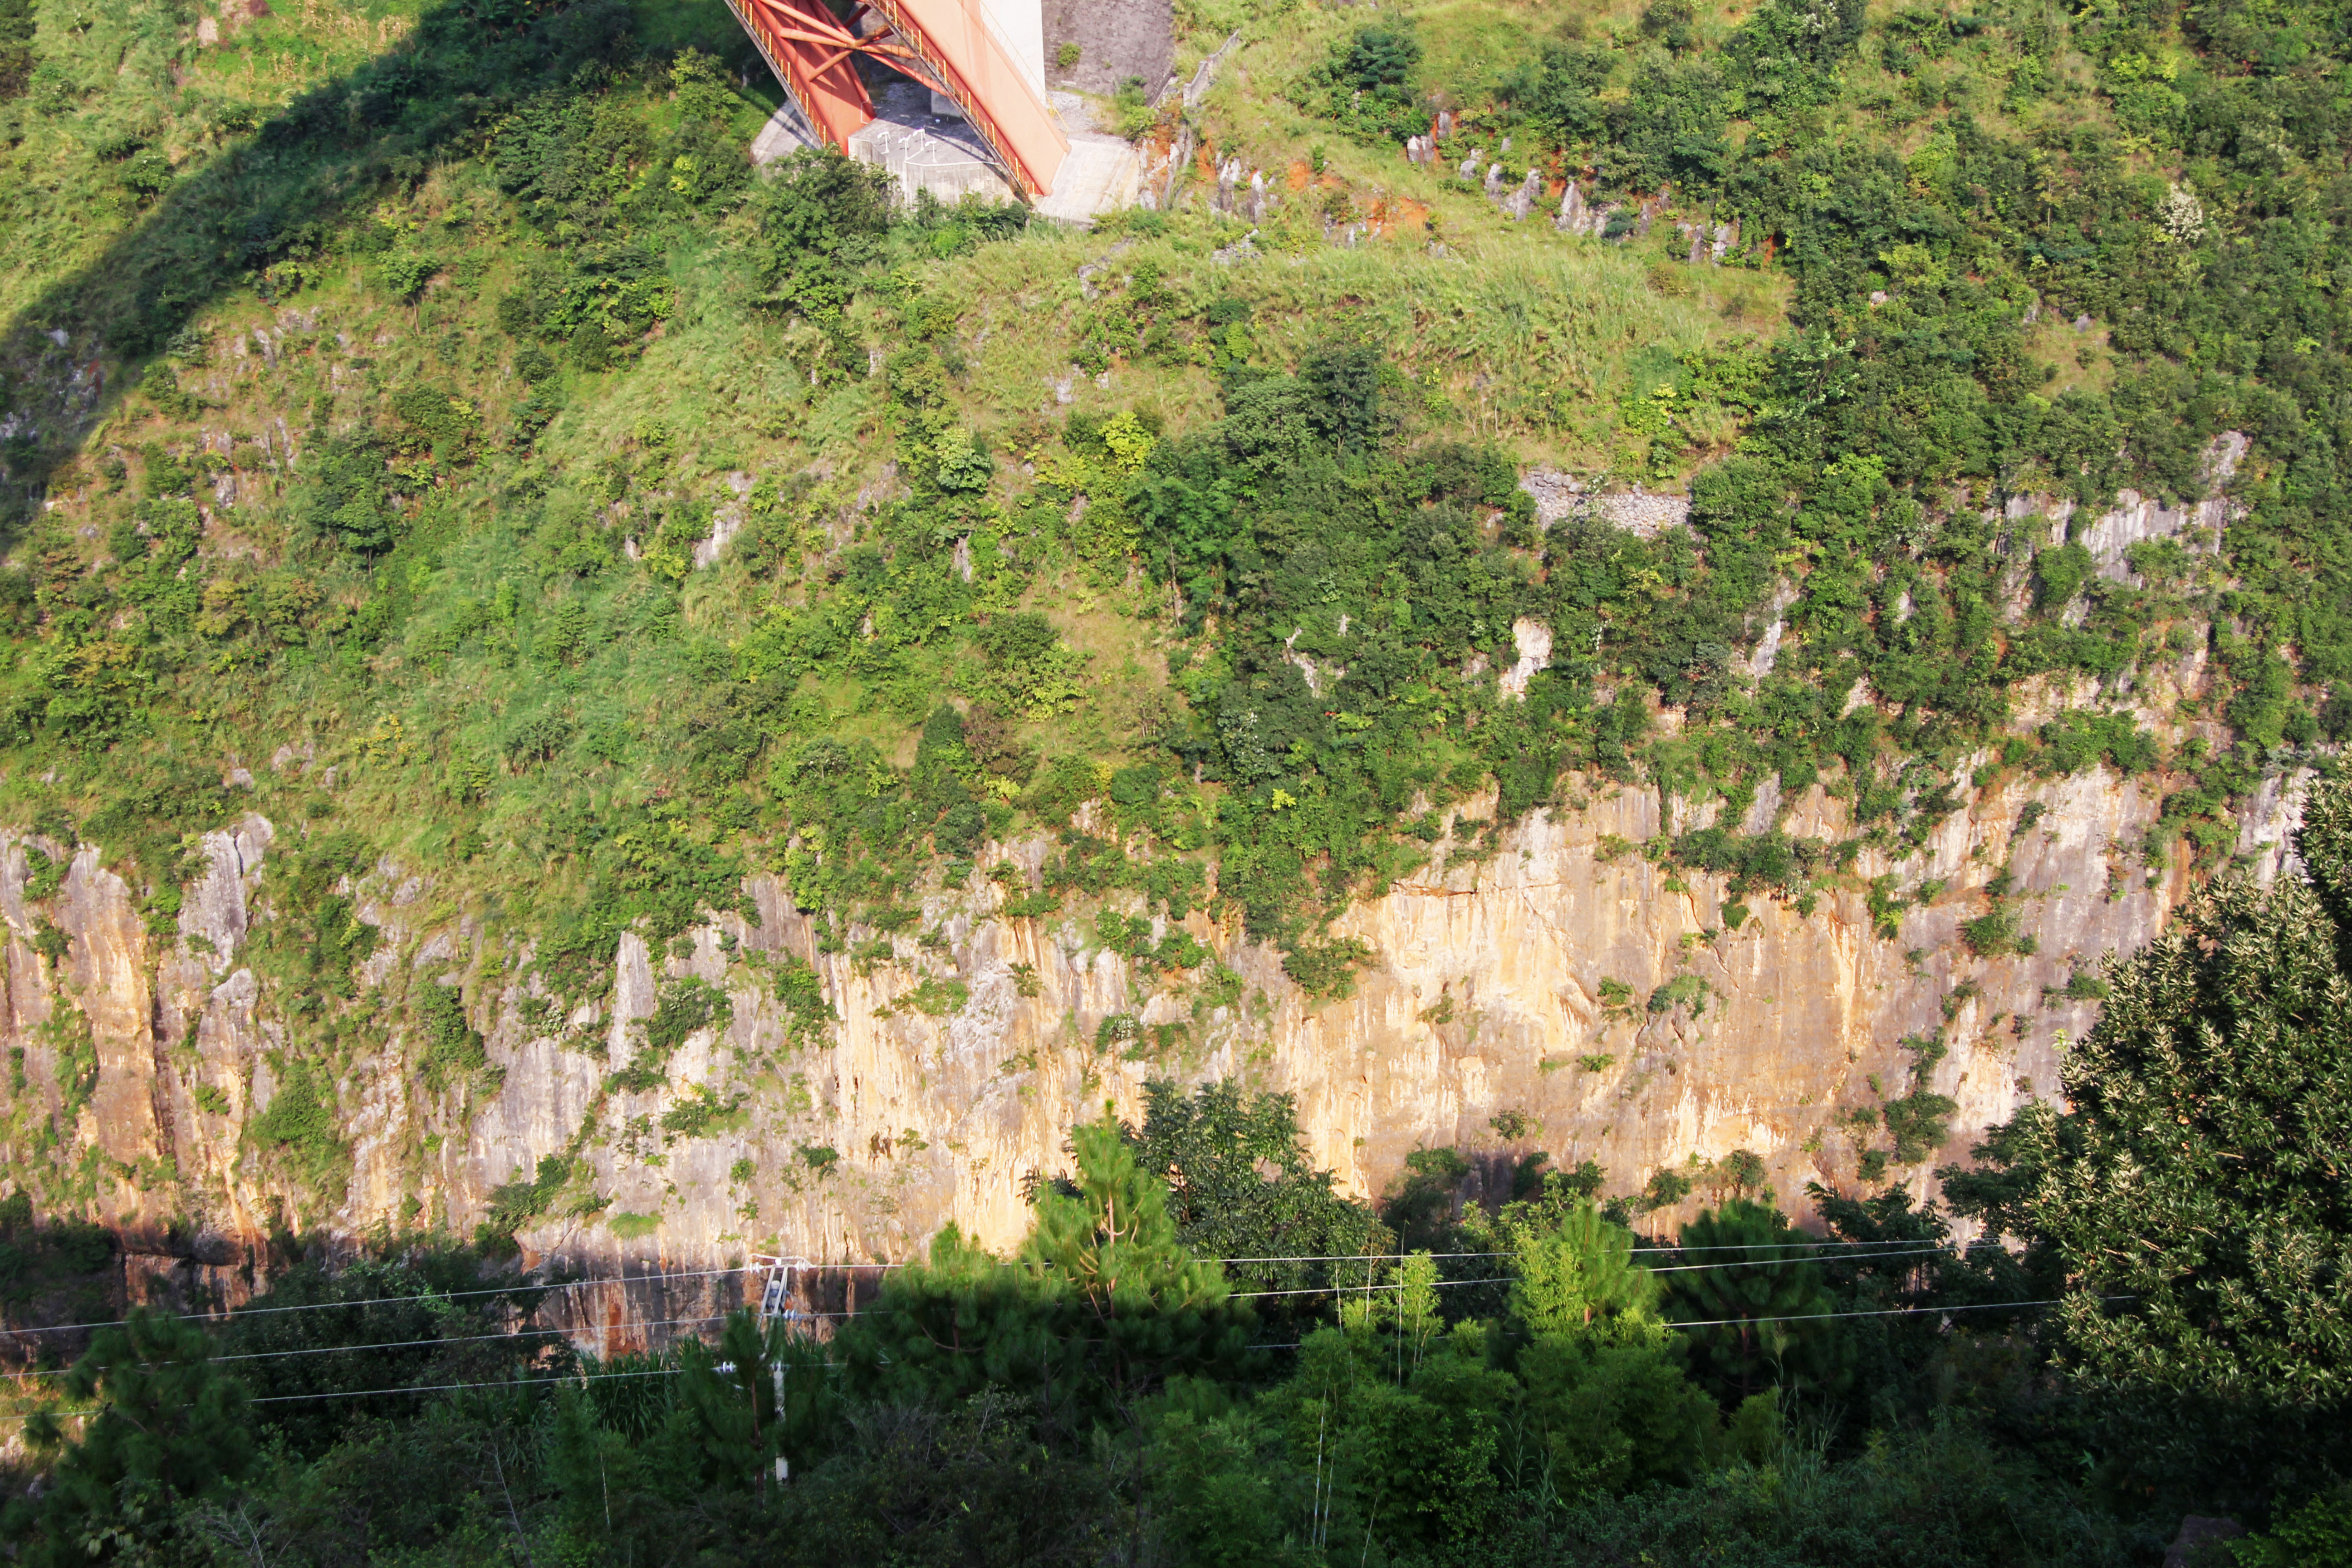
column 1483, row 1001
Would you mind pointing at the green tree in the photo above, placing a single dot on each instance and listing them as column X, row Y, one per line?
column 1607, row 1406
column 1406, row 1462
column 1901, row 1265
column 920, row 1484
column 1241, row 1185
column 1101, row 1305
column 761, row 1397
column 1226, row 1485
column 1614, row 1415
column 1420, row 1203
column 2316, row 1535
column 430, row 1319
column 169, row 1428
column 820, row 213
column 2196, row 1186
column 945, row 1328
column 1574, row 1269
column 608, row 1486
column 1146, row 1308
column 1746, row 1284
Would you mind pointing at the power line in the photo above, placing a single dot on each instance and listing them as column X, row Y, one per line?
column 1886, row 1313
column 1769, row 1262
column 672, row 1372
column 370, row 1393
column 712, row 1273
column 455, row 1339
column 663, row 1278
column 448, row 1387
column 1513, row 1278
column 1491, row 1280
column 1642, row 1243
column 1646, row 1245
column 1656, row 1245
column 1392, row 1285
column 515, row 1334
column 1350, row 1258
column 235, row 1313
column 1816, row 1317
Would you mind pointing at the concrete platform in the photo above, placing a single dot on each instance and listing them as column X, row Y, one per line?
column 1102, row 173
column 927, row 152
column 785, row 133
column 942, row 154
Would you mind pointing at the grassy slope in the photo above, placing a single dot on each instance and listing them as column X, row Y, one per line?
column 1517, row 335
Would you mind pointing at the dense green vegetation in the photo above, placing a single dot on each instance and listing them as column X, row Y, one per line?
column 1546, row 1388
column 537, row 332
column 1944, row 191
column 532, row 265
column 2194, row 1180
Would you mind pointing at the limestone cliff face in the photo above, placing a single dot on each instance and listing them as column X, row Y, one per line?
column 1556, row 991
column 1563, row 992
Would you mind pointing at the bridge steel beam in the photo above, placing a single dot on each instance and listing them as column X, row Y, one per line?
column 946, row 44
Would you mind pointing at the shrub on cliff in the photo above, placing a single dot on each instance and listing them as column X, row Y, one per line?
column 1367, row 85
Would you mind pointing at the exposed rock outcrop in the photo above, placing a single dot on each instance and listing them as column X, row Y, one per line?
column 1561, row 984
column 1549, row 985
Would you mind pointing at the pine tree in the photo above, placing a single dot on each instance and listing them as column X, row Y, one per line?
column 1148, row 1307
column 170, row 1429
column 947, row 1328
column 760, row 1398
column 1573, row 1268
column 1748, row 1287
column 1606, row 1397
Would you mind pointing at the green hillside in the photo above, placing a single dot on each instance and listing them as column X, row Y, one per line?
column 421, row 426
column 453, row 332
column 435, row 400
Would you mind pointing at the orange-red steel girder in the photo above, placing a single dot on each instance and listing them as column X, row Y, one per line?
column 946, row 44
column 789, row 33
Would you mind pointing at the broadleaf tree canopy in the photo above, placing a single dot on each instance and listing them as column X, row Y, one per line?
column 2199, row 1185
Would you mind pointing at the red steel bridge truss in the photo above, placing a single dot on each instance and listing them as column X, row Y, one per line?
column 946, row 44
